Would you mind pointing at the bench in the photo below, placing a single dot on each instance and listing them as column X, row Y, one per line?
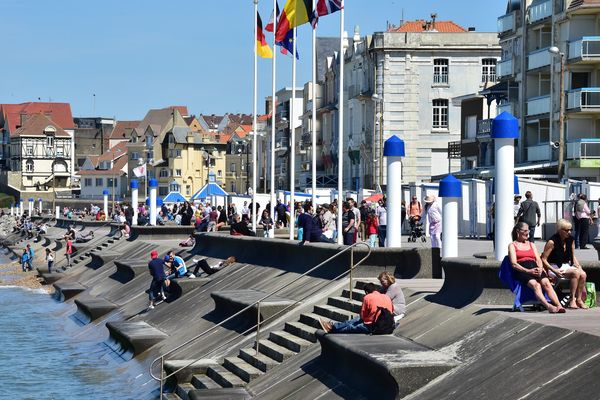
column 381, row 366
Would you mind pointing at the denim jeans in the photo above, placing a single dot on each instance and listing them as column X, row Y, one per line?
column 355, row 325
column 157, row 287
column 50, row 264
column 382, row 235
column 372, row 240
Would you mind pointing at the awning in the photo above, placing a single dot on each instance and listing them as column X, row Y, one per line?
column 174, row 197
column 210, row 189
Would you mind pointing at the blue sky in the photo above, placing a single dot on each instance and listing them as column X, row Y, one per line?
column 140, row 54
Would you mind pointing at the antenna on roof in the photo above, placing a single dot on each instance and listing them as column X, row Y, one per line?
column 402, row 18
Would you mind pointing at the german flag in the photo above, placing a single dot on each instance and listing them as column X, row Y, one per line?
column 295, row 13
column 262, row 48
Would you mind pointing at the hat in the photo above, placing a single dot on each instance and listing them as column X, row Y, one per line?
column 429, row 199
column 154, row 254
column 518, row 196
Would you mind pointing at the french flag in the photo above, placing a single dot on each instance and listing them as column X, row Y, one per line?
column 324, row 7
column 271, row 24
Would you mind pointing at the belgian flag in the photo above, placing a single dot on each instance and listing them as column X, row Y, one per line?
column 262, row 48
column 295, row 13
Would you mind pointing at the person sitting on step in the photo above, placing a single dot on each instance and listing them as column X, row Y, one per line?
column 393, row 290
column 211, row 269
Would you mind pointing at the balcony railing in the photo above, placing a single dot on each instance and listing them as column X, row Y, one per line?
column 491, row 78
column 506, row 107
column 588, row 47
column 484, row 128
column 507, row 22
column 583, row 149
column 538, row 59
column 540, row 11
column 505, row 68
column 440, row 79
column 538, row 105
column 584, row 99
column 540, row 152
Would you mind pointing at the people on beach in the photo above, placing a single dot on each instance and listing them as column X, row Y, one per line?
column 159, row 279
column 559, row 260
column 528, row 268
column 50, row 259
column 393, row 290
column 31, row 254
column 529, row 213
column 369, row 311
column 25, row 260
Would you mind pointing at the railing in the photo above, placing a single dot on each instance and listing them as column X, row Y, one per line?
column 538, row 105
column 505, row 68
column 585, row 48
column 538, row 59
column 484, row 127
column 440, row 78
column 583, row 149
column 507, row 23
column 584, row 99
column 161, row 358
column 491, row 78
column 540, row 152
column 540, row 11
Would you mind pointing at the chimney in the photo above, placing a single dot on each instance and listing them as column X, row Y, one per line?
column 471, row 29
column 433, row 17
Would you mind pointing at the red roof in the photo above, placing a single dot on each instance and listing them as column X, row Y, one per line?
column 117, row 169
column 122, row 129
column 183, row 110
column 421, row 25
column 60, row 113
column 114, row 152
column 37, row 125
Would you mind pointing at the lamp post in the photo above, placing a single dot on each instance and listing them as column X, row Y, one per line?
column 555, row 51
column 379, row 128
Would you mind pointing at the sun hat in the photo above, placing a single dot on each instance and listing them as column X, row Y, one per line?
column 429, row 199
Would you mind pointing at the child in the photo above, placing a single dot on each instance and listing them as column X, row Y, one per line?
column 69, row 251
column 24, row 260
column 372, row 228
column 50, row 259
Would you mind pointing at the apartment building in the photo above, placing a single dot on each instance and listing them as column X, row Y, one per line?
column 551, row 57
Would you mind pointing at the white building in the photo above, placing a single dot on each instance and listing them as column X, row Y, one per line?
column 40, row 155
column 106, row 171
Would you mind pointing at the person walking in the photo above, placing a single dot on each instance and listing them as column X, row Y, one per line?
column 24, row 260
column 529, row 212
column 434, row 215
column 31, row 256
column 348, row 227
column 583, row 220
column 381, row 212
column 69, row 251
column 159, row 279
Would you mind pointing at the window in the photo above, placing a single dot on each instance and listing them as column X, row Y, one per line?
column 440, row 71
column 110, row 182
column 49, row 141
column 440, row 114
column 87, row 182
column 197, row 173
column 177, row 172
column 149, row 140
column 163, row 173
column 174, row 187
column 213, row 162
column 99, row 181
column 163, row 191
column 135, row 155
column 488, row 70
column 219, row 173
column 188, row 190
column 29, row 150
column 29, row 166
column 232, row 167
column 60, row 151
column 177, row 153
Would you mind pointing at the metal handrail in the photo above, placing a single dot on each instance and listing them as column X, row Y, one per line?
column 161, row 358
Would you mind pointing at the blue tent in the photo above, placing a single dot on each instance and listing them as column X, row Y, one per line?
column 174, row 197
column 208, row 190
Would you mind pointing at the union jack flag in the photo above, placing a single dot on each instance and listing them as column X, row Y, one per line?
column 324, row 7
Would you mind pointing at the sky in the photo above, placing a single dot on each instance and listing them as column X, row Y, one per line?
column 120, row 58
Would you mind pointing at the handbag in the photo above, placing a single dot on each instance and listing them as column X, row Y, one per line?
column 590, row 298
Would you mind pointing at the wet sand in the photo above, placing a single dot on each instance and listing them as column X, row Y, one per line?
column 12, row 275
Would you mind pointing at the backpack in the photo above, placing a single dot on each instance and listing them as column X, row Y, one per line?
column 384, row 322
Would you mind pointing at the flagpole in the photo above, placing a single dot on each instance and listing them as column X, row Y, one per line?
column 293, row 143
column 340, row 235
column 314, row 113
column 273, row 104
column 254, row 135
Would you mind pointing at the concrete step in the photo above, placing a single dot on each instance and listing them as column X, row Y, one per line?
column 302, row 330
column 241, row 368
column 224, row 377
column 345, row 304
column 260, row 361
column 104, row 244
column 312, row 319
column 331, row 312
column 111, row 241
column 357, row 294
column 274, row 351
column 289, row 341
column 201, row 381
column 183, row 389
column 171, row 396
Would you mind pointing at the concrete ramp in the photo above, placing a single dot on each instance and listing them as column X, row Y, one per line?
column 94, row 308
column 137, row 336
column 67, row 290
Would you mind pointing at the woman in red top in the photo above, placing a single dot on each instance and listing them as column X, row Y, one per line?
column 528, row 268
column 372, row 227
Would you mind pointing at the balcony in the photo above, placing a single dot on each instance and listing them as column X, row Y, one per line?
column 538, row 105
column 585, row 49
column 540, row 11
column 540, row 152
column 506, row 107
column 484, row 128
column 440, row 79
column 585, row 99
column 539, row 59
column 505, row 68
column 584, row 149
column 507, row 23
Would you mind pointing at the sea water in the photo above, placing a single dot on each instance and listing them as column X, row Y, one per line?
column 46, row 354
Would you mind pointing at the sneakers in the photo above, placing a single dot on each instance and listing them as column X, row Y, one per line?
column 326, row 325
column 191, row 276
column 195, row 260
column 162, row 295
column 151, row 306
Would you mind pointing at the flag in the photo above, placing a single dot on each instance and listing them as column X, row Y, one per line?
column 140, row 171
column 295, row 13
column 324, row 7
column 274, row 17
column 262, row 48
column 287, row 45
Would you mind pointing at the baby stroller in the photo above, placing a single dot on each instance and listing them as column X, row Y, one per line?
column 416, row 232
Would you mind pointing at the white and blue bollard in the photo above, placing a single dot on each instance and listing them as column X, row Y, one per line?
column 393, row 149
column 12, row 209
column 40, row 206
column 30, row 208
column 57, row 212
column 134, row 200
column 21, row 207
column 153, row 185
column 450, row 191
column 505, row 129
column 105, row 198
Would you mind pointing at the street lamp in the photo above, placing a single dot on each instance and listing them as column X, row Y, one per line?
column 555, row 51
column 379, row 127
